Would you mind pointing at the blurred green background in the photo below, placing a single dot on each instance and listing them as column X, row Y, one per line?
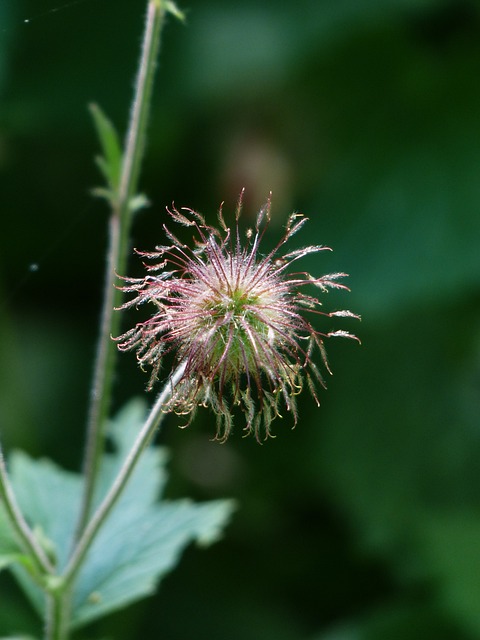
column 364, row 522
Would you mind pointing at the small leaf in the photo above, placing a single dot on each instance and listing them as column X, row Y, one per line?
column 101, row 192
column 140, row 201
column 172, row 8
column 110, row 163
column 104, row 168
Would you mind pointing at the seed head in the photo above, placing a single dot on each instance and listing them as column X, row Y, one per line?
column 234, row 319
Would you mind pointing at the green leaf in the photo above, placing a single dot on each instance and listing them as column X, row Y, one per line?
column 172, row 8
column 149, row 478
column 101, row 192
column 141, row 540
column 49, row 498
column 111, row 161
column 131, row 554
column 140, row 201
column 7, row 559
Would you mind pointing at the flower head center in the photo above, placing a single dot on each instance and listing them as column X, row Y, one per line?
column 237, row 303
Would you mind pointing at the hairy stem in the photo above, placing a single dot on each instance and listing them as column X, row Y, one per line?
column 58, row 614
column 40, row 562
column 119, row 232
column 152, row 423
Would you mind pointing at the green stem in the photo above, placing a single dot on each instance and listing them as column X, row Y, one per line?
column 41, row 563
column 58, row 614
column 135, row 142
column 143, row 439
column 120, row 224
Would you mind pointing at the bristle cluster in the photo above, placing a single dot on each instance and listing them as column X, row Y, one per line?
column 234, row 319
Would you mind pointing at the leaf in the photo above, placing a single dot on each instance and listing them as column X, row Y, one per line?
column 10, row 550
column 49, row 498
column 7, row 559
column 148, row 480
column 131, row 554
column 140, row 201
column 141, row 540
column 172, row 8
column 110, row 162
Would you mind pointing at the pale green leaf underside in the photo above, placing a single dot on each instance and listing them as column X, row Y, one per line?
column 130, row 556
column 141, row 540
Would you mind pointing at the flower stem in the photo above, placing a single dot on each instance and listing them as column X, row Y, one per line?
column 119, row 232
column 58, row 613
column 151, row 424
column 41, row 564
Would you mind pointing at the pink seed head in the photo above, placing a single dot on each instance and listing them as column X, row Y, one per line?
column 235, row 320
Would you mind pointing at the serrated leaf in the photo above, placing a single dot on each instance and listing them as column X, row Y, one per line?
column 131, row 555
column 142, row 538
column 111, row 161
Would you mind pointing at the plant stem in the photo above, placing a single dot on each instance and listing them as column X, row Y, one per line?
column 58, row 613
column 41, row 563
column 152, row 423
column 119, row 232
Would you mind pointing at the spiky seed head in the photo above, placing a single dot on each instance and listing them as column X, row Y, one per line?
column 235, row 320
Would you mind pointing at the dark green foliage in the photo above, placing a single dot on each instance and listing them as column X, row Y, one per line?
column 362, row 524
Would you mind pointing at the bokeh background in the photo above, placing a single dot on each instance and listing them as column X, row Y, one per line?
column 363, row 523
